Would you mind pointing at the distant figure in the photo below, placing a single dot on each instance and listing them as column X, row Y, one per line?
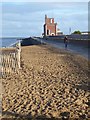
column 66, row 41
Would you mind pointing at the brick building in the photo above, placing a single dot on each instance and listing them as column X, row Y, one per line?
column 50, row 28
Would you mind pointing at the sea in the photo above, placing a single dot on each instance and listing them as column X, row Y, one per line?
column 8, row 42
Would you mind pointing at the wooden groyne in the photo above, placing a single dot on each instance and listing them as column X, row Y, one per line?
column 9, row 63
column 10, row 60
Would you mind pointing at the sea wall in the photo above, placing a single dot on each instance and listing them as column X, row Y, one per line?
column 29, row 41
column 80, row 42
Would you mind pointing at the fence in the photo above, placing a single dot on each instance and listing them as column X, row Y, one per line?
column 10, row 61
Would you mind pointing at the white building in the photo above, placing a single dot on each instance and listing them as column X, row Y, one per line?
column 59, row 32
column 85, row 33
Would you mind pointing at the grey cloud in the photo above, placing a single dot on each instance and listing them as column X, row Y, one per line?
column 28, row 19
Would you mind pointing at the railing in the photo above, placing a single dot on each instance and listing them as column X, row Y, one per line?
column 10, row 61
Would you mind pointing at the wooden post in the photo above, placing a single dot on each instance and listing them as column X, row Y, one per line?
column 1, row 64
column 18, row 47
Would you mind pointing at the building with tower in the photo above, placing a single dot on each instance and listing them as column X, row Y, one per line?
column 50, row 27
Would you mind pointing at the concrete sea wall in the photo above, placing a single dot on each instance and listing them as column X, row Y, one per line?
column 29, row 41
column 80, row 42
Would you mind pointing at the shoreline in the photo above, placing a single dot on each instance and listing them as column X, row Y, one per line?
column 51, row 82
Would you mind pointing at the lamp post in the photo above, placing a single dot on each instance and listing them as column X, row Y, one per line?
column 69, row 30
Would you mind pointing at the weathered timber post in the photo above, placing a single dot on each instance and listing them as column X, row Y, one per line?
column 18, row 47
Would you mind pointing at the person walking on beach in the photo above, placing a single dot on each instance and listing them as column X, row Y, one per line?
column 66, row 41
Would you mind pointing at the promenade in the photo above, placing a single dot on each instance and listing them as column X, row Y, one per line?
column 76, row 46
column 51, row 84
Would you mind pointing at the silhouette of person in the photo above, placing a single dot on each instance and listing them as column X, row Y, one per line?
column 66, row 41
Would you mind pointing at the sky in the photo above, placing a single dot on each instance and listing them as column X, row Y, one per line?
column 24, row 19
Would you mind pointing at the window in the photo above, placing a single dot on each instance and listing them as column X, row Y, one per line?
column 51, row 20
column 47, row 32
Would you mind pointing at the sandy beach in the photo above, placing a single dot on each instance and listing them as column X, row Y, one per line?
column 51, row 83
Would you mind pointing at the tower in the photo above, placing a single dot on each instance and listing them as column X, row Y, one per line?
column 50, row 28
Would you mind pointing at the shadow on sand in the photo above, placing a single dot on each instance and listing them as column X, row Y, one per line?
column 63, row 116
column 14, row 116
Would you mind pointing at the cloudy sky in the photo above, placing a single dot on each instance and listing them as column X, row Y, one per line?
column 24, row 19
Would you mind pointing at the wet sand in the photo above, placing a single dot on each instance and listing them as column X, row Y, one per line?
column 51, row 83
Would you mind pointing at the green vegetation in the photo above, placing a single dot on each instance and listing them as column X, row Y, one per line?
column 77, row 32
